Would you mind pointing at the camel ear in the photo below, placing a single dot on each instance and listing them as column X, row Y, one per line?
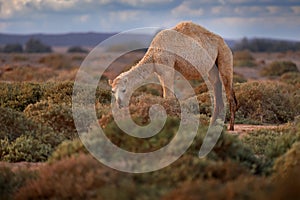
column 110, row 82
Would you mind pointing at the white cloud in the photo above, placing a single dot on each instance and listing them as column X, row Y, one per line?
column 83, row 18
column 249, row 10
column 144, row 2
column 296, row 10
column 124, row 15
column 117, row 15
column 186, row 9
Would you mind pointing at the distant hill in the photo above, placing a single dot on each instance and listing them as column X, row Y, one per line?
column 70, row 39
column 74, row 39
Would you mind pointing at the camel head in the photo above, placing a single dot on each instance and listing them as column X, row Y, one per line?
column 119, row 89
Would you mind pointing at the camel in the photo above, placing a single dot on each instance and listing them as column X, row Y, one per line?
column 189, row 49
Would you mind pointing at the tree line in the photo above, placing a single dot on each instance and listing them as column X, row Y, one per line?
column 35, row 46
column 266, row 45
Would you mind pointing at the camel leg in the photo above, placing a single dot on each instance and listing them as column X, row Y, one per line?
column 166, row 74
column 225, row 67
column 214, row 79
column 166, row 78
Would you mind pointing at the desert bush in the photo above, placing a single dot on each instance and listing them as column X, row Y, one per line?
column 190, row 168
column 13, row 48
column 80, row 177
column 19, row 136
column 241, row 188
column 57, row 116
column 25, row 148
column 78, row 57
column 278, row 68
column 36, row 46
column 152, row 89
column 239, row 78
column 260, row 140
column 230, row 147
column 139, row 108
column 288, row 162
column 285, row 140
column 62, row 92
column 11, row 181
column 56, row 61
column 292, row 78
column 18, row 95
column 76, row 49
column 20, row 57
column 265, row 102
column 129, row 143
column 205, row 103
column 103, row 96
column 14, row 124
column 28, row 73
column 68, row 148
column 243, row 59
column 269, row 144
column 286, row 177
column 227, row 147
column 58, row 92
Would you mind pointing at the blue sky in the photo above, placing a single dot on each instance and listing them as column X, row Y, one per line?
column 230, row 18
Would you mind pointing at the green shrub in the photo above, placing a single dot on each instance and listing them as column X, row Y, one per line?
column 68, row 148
column 76, row 49
column 285, row 140
column 260, row 140
column 230, row 147
column 129, row 143
column 278, row 68
column 58, row 92
column 19, row 136
column 61, row 92
column 18, row 95
column 36, row 46
column 57, row 116
column 265, row 102
column 25, row 148
column 227, row 147
column 243, row 59
column 14, row 124
column 288, row 162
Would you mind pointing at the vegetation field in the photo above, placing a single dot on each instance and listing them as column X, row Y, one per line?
column 42, row 157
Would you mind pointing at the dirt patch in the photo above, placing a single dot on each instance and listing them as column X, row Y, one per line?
column 244, row 129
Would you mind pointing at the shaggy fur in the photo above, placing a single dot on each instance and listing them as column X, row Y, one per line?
column 189, row 49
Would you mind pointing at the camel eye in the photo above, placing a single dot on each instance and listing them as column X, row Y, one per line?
column 124, row 90
column 113, row 91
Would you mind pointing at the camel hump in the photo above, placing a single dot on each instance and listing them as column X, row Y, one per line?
column 190, row 27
